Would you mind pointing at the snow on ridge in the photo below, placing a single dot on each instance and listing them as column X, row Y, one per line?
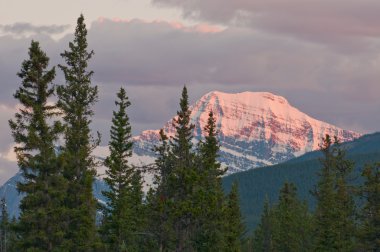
column 240, row 111
column 262, row 125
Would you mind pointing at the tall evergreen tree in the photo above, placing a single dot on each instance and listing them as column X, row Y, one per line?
column 174, row 199
column 291, row 222
column 234, row 226
column 4, row 227
column 209, row 152
column 189, row 204
column 334, row 216
column 262, row 239
column 35, row 131
column 346, row 207
column 209, row 192
column 369, row 232
column 76, row 99
column 183, row 177
column 160, row 222
column 326, row 214
column 123, row 215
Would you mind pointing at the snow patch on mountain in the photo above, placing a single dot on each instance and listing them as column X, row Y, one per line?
column 254, row 129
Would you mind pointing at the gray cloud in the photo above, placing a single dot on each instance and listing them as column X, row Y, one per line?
column 154, row 60
column 27, row 28
column 336, row 22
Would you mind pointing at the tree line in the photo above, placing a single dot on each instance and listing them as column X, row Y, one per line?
column 346, row 218
column 186, row 209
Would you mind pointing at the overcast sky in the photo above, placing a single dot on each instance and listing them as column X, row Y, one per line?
column 322, row 55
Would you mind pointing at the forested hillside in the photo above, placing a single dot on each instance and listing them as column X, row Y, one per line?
column 256, row 184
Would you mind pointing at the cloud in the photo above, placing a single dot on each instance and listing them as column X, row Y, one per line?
column 322, row 21
column 27, row 28
column 158, row 53
column 199, row 28
column 153, row 60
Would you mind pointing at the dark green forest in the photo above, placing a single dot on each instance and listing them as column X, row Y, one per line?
column 324, row 201
column 266, row 182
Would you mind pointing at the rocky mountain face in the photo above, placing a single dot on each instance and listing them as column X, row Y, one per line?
column 255, row 129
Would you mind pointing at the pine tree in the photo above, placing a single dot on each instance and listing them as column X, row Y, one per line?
column 13, row 236
column 262, row 239
column 334, row 216
column 344, row 197
column 209, row 151
column 160, row 221
column 174, row 201
column 76, row 99
column 35, row 132
column 325, row 214
column 188, row 204
column 234, row 226
column 369, row 232
column 209, row 191
column 4, row 227
column 183, row 177
column 291, row 222
column 123, row 219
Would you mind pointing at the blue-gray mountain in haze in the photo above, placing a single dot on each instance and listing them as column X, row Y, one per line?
column 13, row 197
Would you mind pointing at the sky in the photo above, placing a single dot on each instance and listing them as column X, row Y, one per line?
column 322, row 55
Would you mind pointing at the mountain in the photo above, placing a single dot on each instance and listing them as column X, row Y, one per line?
column 256, row 184
column 13, row 197
column 255, row 129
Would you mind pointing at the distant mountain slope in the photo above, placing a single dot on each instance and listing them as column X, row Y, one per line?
column 13, row 197
column 255, row 184
column 255, row 129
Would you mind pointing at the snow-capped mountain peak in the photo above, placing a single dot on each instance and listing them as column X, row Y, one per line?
column 255, row 129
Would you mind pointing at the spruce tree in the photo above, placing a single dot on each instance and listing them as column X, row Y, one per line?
column 174, row 202
column 326, row 214
column 4, row 227
column 369, row 231
column 234, row 226
column 334, row 215
column 291, row 222
column 36, row 131
column 346, row 207
column 209, row 192
column 76, row 99
column 263, row 237
column 160, row 225
column 188, row 204
column 182, row 178
column 123, row 215
column 209, row 151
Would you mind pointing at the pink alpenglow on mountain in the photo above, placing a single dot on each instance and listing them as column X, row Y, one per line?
column 255, row 129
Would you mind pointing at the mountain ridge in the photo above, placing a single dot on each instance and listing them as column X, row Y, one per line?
column 255, row 129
